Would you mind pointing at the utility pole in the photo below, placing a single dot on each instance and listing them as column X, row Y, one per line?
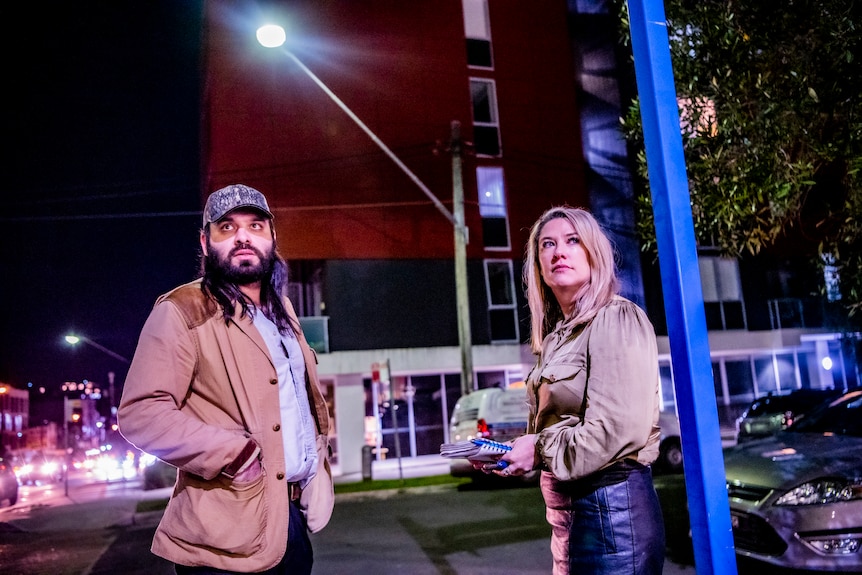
column 461, row 239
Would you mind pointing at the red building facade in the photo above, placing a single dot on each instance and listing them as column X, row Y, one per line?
column 371, row 255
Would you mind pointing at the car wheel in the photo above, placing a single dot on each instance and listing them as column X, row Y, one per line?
column 670, row 455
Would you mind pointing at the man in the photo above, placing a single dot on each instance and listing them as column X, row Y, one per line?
column 224, row 386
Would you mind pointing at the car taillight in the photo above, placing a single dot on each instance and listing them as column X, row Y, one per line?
column 482, row 428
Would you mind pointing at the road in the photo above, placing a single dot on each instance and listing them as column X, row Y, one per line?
column 439, row 531
column 61, row 529
column 442, row 530
column 80, row 488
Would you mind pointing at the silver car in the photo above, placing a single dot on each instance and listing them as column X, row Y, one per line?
column 796, row 497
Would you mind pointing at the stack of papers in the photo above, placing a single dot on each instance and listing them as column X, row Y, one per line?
column 475, row 449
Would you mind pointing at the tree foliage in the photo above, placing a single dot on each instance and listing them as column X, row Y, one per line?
column 770, row 98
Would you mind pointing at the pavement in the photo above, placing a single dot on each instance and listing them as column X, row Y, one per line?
column 366, row 535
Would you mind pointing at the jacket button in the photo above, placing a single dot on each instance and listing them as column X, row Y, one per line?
column 276, row 427
column 279, row 475
column 273, row 382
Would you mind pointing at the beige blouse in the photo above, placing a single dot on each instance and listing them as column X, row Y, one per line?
column 594, row 393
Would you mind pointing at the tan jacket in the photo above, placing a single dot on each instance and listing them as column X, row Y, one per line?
column 594, row 393
column 198, row 389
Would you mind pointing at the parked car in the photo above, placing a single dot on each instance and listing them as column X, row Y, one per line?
column 490, row 413
column 8, row 483
column 773, row 412
column 796, row 497
column 670, row 448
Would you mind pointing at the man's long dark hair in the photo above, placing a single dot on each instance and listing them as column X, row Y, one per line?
column 273, row 289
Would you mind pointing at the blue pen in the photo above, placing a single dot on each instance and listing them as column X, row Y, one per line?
column 502, row 464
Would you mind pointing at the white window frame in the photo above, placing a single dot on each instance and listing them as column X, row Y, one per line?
column 499, row 207
column 477, row 26
column 720, row 282
column 513, row 306
column 494, row 121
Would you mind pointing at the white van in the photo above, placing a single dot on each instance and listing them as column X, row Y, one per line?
column 491, row 413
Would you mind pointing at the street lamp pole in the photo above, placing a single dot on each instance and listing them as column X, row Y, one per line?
column 73, row 339
column 273, row 36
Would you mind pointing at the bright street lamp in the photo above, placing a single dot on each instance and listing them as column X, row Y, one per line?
column 74, row 339
column 273, row 36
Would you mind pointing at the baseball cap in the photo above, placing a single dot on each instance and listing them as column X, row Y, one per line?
column 232, row 197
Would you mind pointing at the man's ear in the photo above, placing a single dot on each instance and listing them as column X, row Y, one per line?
column 204, row 243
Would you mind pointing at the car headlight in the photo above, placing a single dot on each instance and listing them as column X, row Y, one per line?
column 822, row 491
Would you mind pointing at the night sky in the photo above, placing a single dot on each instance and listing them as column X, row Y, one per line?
column 100, row 194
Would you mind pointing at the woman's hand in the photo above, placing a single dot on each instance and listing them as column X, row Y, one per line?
column 522, row 458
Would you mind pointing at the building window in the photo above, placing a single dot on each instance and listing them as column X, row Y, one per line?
column 477, row 30
column 486, row 129
column 492, row 208
column 722, row 293
column 305, row 290
column 304, row 287
column 502, row 315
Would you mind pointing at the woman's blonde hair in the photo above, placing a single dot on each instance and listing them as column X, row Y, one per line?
column 545, row 311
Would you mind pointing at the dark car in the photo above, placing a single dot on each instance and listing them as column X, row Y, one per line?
column 796, row 496
column 771, row 413
column 8, row 483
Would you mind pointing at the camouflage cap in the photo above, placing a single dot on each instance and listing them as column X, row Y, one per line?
column 232, row 197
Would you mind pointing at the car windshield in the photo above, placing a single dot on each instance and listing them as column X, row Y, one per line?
column 841, row 417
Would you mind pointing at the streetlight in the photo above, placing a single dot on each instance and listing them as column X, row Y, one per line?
column 273, row 36
column 74, row 339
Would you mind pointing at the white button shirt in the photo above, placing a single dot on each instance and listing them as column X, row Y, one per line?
column 297, row 425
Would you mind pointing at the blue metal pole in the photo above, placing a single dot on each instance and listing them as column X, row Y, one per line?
column 695, row 395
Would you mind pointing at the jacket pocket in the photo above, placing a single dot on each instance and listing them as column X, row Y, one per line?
column 560, row 372
column 218, row 514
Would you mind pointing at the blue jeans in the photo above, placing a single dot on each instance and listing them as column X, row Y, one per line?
column 606, row 524
column 296, row 561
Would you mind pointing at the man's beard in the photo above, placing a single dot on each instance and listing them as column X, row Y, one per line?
column 245, row 272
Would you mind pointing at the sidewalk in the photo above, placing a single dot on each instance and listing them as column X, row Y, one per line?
column 421, row 466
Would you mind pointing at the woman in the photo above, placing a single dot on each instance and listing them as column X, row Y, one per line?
column 594, row 403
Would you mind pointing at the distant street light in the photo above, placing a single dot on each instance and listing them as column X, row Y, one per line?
column 274, row 36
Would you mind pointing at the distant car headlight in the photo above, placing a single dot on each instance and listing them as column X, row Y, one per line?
column 823, row 491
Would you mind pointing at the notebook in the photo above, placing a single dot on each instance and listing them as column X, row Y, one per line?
column 475, row 449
